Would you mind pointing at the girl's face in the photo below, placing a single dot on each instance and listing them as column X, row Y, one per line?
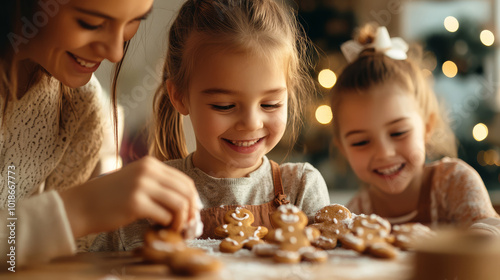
column 238, row 107
column 77, row 36
column 382, row 135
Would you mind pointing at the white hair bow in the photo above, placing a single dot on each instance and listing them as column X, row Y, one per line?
column 394, row 48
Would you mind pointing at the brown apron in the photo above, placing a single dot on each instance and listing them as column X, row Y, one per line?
column 214, row 217
column 424, row 205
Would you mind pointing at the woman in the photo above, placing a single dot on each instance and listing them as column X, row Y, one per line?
column 51, row 131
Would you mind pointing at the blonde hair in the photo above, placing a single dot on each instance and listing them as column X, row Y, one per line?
column 373, row 68
column 262, row 27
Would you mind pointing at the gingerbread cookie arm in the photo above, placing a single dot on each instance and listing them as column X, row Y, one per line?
column 332, row 221
column 382, row 250
column 349, row 241
column 222, row 231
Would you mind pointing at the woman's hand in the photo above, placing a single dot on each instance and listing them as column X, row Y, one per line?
column 146, row 188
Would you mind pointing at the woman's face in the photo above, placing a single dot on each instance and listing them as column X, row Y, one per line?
column 70, row 38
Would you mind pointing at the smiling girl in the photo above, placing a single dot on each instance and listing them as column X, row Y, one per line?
column 386, row 121
column 51, row 130
column 236, row 69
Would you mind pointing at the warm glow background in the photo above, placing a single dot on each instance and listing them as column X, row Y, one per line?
column 460, row 57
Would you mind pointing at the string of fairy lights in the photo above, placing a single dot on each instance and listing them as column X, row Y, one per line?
column 327, row 79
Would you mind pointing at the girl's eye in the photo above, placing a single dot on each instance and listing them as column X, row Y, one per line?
column 87, row 26
column 360, row 143
column 397, row 134
column 271, row 106
column 222, row 108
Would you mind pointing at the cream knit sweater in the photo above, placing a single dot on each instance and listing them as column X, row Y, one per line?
column 45, row 155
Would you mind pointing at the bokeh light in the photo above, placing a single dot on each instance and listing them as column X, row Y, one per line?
column 480, row 132
column 487, row 37
column 451, row 24
column 450, row 69
column 327, row 78
column 324, row 114
column 490, row 157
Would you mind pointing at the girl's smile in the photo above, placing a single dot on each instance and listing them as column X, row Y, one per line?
column 382, row 135
column 245, row 146
column 237, row 103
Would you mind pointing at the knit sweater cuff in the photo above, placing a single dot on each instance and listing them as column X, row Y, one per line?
column 44, row 231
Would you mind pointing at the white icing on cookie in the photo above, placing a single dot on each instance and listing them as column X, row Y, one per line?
column 287, row 254
column 309, row 233
column 233, row 215
column 289, row 218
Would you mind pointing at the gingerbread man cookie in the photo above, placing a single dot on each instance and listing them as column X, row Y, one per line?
column 165, row 246
column 370, row 234
column 407, row 235
column 238, row 231
column 292, row 237
column 332, row 221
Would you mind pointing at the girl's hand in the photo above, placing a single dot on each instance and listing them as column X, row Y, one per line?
column 146, row 188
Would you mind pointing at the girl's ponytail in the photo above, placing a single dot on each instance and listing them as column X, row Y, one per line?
column 168, row 134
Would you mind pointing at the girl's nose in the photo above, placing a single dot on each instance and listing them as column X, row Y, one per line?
column 385, row 149
column 250, row 120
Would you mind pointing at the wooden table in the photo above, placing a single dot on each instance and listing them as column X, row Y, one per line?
column 342, row 264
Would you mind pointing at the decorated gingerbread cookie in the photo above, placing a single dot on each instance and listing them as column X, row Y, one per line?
column 292, row 238
column 165, row 246
column 238, row 231
column 370, row 234
column 407, row 235
column 332, row 221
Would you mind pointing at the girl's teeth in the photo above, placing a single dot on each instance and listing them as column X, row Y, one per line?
column 244, row 143
column 390, row 170
column 85, row 63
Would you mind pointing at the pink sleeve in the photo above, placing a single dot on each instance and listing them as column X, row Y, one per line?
column 463, row 196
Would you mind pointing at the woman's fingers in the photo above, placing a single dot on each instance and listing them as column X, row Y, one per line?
column 172, row 178
column 172, row 201
column 144, row 189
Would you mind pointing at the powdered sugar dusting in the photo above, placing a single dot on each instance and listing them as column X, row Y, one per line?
column 341, row 264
